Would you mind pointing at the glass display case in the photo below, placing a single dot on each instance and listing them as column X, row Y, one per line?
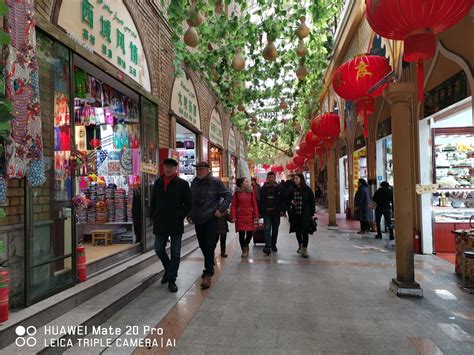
column 453, row 155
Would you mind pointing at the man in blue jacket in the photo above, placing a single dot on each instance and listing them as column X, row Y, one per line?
column 210, row 200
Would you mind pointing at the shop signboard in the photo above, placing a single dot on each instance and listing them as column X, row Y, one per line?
column 232, row 143
column 184, row 101
column 106, row 28
column 149, row 168
column 446, row 94
column 355, row 173
column 242, row 149
column 426, row 189
column 215, row 130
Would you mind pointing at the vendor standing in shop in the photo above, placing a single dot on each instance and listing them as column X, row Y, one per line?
column 170, row 204
column 211, row 199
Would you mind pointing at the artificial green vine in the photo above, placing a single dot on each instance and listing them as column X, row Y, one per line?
column 219, row 38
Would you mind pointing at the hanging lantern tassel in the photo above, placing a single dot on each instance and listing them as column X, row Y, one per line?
column 366, row 125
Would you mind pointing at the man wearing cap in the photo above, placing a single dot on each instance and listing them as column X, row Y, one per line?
column 210, row 201
column 170, row 204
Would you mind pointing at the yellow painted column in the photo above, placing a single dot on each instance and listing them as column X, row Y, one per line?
column 331, row 166
column 401, row 96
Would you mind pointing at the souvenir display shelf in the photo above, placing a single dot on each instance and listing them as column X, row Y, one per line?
column 106, row 158
column 187, row 157
column 453, row 202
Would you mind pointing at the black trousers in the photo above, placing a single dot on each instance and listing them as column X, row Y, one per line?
column 206, row 235
column 223, row 238
column 387, row 215
column 302, row 236
column 245, row 241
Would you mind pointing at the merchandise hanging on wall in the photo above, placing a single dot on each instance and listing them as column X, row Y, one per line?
column 24, row 149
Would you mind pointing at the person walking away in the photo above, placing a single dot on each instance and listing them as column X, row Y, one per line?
column 244, row 212
column 222, row 230
column 170, row 204
column 301, row 207
column 210, row 200
column 271, row 208
column 256, row 188
column 361, row 203
column 383, row 197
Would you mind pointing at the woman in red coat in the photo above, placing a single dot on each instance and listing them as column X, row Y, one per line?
column 244, row 212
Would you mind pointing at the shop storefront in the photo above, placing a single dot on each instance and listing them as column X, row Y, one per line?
column 216, row 142
column 232, row 158
column 94, row 145
column 384, row 152
column 447, row 161
column 185, row 107
column 343, row 179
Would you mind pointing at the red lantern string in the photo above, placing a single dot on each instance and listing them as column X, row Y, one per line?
column 415, row 23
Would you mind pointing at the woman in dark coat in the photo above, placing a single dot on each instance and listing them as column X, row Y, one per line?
column 383, row 197
column 301, row 209
column 361, row 204
column 244, row 212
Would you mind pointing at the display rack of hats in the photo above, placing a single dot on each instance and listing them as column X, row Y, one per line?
column 106, row 155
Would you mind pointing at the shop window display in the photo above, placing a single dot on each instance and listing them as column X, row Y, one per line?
column 216, row 159
column 106, row 158
column 454, row 174
column 186, row 147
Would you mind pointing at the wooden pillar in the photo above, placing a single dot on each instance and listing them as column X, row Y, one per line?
column 401, row 96
column 331, row 169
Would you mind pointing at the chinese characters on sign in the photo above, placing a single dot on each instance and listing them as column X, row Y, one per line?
column 447, row 93
column 106, row 27
column 215, row 130
column 184, row 101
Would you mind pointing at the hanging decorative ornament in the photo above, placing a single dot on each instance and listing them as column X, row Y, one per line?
column 301, row 50
column 247, row 127
column 302, row 31
column 241, row 108
column 274, row 138
column 302, row 72
column 230, row 95
column 255, row 130
column 238, row 62
column 283, row 104
column 421, row 21
column 353, row 80
column 254, row 118
column 194, row 17
column 219, row 8
column 266, row 166
column 235, row 84
column 295, row 125
column 191, row 37
column 270, row 52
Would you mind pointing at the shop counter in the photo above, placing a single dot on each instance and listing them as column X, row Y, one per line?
column 464, row 241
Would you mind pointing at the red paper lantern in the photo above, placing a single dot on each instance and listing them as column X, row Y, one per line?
column 353, row 80
column 327, row 127
column 311, row 139
column 266, row 166
column 415, row 22
column 291, row 166
column 299, row 160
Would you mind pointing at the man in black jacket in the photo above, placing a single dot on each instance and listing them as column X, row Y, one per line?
column 271, row 208
column 170, row 204
column 210, row 201
column 383, row 197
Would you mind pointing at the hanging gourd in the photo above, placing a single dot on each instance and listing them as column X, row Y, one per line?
column 274, row 138
column 255, row 130
column 241, row 108
column 215, row 74
column 295, row 125
column 283, row 104
column 194, row 17
column 302, row 31
column 302, row 72
column 247, row 127
column 191, row 37
column 235, row 84
column 254, row 118
column 238, row 62
column 230, row 96
column 270, row 52
column 301, row 51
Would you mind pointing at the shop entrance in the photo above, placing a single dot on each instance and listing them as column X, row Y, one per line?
column 186, row 145
column 215, row 160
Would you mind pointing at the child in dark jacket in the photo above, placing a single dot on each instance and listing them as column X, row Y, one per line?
column 222, row 230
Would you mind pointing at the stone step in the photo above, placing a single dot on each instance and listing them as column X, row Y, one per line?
column 135, row 273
